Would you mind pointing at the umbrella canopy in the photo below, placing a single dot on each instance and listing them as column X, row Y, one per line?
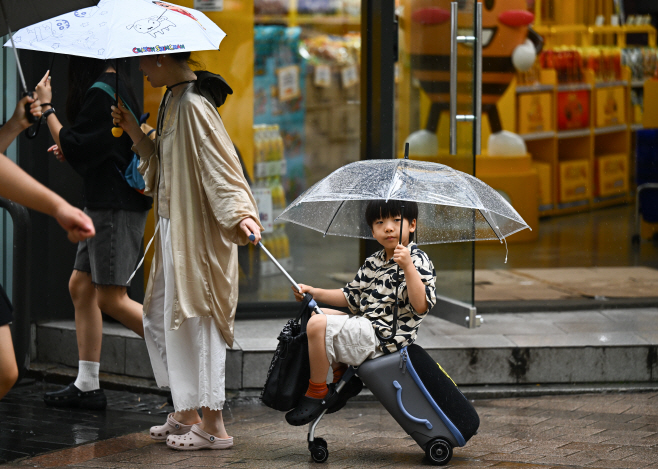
column 452, row 205
column 21, row 13
column 122, row 28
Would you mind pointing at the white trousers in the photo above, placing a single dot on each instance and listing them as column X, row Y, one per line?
column 190, row 360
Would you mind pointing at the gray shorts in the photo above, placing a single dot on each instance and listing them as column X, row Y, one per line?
column 112, row 255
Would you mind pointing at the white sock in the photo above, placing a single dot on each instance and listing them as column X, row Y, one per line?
column 87, row 379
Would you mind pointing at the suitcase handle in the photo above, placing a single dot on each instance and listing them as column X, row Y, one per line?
column 426, row 422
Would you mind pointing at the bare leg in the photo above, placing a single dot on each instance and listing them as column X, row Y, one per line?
column 88, row 318
column 8, row 368
column 213, row 423
column 188, row 417
column 317, row 354
column 114, row 301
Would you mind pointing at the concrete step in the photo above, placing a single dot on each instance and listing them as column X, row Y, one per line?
column 608, row 346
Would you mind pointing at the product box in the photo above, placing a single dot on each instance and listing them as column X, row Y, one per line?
column 535, row 112
column 545, row 174
column 610, row 106
column 573, row 109
column 574, row 181
column 611, row 175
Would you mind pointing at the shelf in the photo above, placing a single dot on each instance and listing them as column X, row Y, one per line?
column 533, row 88
column 637, row 83
column 573, row 133
column 574, row 87
column 635, row 127
column 611, row 84
column 327, row 19
column 610, row 129
column 538, row 135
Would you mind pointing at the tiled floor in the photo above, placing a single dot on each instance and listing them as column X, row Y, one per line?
column 589, row 430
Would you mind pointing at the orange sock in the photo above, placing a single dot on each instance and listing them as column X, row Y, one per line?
column 339, row 372
column 317, row 391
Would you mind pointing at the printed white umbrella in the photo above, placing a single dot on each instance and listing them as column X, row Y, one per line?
column 122, row 28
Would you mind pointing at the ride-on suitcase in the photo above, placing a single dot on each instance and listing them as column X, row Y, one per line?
column 423, row 399
column 420, row 396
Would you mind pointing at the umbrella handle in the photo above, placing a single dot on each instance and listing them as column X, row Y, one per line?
column 31, row 118
column 312, row 304
column 394, row 329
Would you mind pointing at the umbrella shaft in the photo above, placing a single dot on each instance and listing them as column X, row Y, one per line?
column 280, row 267
column 18, row 62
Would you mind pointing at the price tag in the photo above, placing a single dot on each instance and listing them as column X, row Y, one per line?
column 288, row 83
column 350, row 76
column 264, row 201
column 322, row 76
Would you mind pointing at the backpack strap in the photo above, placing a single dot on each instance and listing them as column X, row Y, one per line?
column 110, row 91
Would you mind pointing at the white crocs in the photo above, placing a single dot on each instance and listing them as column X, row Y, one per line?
column 197, row 439
column 171, row 427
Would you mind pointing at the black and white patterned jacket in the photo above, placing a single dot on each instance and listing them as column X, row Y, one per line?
column 372, row 295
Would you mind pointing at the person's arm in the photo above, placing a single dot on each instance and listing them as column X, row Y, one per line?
column 415, row 285
column 18, row 122
column 334, row 297
column 17, row 185
column 45, row 93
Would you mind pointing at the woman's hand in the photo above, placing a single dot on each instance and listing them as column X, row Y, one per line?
column 44, row 91
column 123, row 118
column 58, row 153
column 299, row 295
column 249, row 226
column 19, row 117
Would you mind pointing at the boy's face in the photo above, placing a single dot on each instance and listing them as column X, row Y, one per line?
column 387, row 231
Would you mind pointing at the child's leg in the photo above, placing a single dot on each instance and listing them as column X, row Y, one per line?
column 316, row 330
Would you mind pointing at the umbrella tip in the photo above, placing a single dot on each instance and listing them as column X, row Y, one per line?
column 406, row 150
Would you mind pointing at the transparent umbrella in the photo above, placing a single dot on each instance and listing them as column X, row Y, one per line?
column 452, row 206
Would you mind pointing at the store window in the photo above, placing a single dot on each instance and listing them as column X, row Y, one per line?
column 306, row 124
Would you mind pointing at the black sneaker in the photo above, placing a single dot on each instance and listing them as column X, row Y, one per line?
column 72, row 397
column 351, row 389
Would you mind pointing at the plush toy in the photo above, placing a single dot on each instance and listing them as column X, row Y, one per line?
column 509, row 44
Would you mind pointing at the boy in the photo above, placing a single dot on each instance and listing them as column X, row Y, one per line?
column 338, row 339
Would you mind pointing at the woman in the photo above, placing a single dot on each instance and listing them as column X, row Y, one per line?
column 103, row 264
column 204, row 207
column 18, row 186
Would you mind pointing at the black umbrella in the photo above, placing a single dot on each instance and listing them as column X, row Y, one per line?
column 20, row 13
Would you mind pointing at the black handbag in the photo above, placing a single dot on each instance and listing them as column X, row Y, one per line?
column 287, row 378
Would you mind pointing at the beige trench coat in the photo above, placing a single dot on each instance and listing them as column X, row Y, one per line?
column 209, row 196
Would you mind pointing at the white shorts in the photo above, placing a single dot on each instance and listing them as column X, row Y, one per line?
column 350, row 340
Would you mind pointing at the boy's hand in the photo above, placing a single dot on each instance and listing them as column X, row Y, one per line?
column 402, row 256
column 299, row 296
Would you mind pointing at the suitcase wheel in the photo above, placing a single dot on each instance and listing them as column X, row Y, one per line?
column 439, row 451
column 318, row 449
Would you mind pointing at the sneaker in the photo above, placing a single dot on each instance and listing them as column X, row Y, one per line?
column 72, row 397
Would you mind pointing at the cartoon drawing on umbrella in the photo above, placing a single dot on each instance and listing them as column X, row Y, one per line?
column 116, row 29
column 24, row 13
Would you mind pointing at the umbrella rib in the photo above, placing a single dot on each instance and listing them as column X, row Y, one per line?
column 333, row 218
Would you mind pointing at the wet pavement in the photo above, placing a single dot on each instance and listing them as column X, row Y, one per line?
column 609, row 430
column 29, row 427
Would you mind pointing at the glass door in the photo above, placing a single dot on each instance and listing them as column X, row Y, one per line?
column 439, row 104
